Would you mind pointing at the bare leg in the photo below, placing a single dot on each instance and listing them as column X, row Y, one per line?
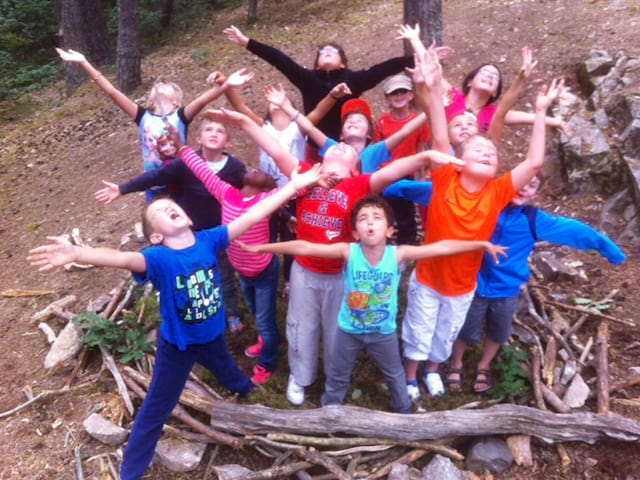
column 489, row 352
column 410, row 369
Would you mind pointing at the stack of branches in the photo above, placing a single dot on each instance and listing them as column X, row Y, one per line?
column 353, row 442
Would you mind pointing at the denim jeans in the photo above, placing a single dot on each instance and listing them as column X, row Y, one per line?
column 261, row 293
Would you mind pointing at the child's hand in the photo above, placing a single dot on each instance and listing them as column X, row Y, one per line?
column 341, row 90
column 216, row 78
column 549, row 94
column 276, row 95
column 71, row 56
column 239, row 78
column 427, row 69
column 443, row 51
column 329, row 180
column 495, row 250
column 57, row 253
column 234, row 35
column 107, row 194
column 528, row 64
column 230, row 117
column 292, row 224
column 306, row 179
column 406, row 32
column 248, row 248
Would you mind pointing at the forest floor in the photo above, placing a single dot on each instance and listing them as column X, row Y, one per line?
column 53, row 159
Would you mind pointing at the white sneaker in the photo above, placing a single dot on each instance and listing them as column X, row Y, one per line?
column 295, row 392
column 414, row 392
column 434, row 384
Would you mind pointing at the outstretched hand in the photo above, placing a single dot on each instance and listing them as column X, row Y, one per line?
column 71, row 56
column 495, row 250
column 427, row 68
column 107, row 194
column 216, row 78
column 341, row 90
column 528, row 64
column 57, row 253
column 306, row 179
column 229, row 117
column 234, row 35
column 549, row 94
column 440, row 158
column 276, row 95
column 246, row 247
column 329, row 180
column 239, row 77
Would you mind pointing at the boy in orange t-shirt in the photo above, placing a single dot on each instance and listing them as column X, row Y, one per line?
column 465, row 205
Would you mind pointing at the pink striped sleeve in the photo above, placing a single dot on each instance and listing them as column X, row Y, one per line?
column 199, row 167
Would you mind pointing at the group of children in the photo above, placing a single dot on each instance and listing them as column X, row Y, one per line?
column 345, row 273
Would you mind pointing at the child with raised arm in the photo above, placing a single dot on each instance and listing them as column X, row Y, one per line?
column 164, row 107
column 182, row 266
column 189, row 192
column 258, row 272
column 367, row 316
column 465, row 205
column 399, row 95
column 323, row 217
column 330, row 68
column 519, row 227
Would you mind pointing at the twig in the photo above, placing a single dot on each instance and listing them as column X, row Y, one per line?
column 406, row 459
column 529, row 330
column 123, row 303
column 115, row 296
column 629, row 383
column 322, row 460
column 535, row 377
column 603, row 316
column 42, row 395
column 25, row 293
column 82, row 360
column 552, row 399
column 479, row 403
column 564, row 456
column 602, row 340
column 110, row 363
column 78, row 460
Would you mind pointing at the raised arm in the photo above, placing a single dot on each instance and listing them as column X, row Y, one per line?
column 406, row 166
column 236, row 79
column 270, row 204
column 508, row 100
column 338, row 92
column 449, row 247
column 278, row 97
column 407, row 129
column 59, row 251
column 285, row 161
column 529, row 167
column 301, row 248
column 127, row 105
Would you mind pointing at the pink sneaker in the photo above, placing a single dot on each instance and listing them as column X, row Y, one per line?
column 254, row 351
column 260, row 375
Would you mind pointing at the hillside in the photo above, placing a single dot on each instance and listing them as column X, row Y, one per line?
column 55, row 158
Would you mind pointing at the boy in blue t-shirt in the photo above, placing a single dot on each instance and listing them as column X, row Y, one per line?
column 182, row 265
column 367, row 317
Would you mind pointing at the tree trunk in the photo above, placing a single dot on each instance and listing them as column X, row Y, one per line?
column 164, row 9
column 252, row 11
column 128, row 61
column 427, row 14
column 83, row 27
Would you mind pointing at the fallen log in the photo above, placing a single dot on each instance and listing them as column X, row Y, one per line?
column 361, row 422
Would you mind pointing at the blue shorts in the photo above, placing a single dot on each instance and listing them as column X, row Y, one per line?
column 498, row 315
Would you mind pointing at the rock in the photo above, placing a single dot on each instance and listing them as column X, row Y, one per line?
column 399, row 471
column 622, row 110
column 577, row 393
column 442, row 468
column 65, row 347
column 596, row 64
column 520, row 447
column 231, row 472
column 490, row 454
column 630, row 140
column 179, row 455
column 104, row 430
column 553, row 269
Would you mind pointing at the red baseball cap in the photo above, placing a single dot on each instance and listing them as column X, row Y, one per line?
column 356, row 105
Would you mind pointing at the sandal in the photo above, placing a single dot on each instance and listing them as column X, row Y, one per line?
column 235, row 325
column 454, row 384
column 482, row 383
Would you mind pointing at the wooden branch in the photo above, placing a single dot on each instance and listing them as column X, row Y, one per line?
column 497, row 420
column 82, row 361
column 115, row 296
column 603, row 316
column 602, row 341
column 123, row 303
column 530, row 331
column 78, row 461
column 549, row 361
column 59, row 304
column 12, row 292
column 553, row 400
column 633, row 381
column 318, row 458
column 110, row 363
column 406, row 459
column 182, row 415
column 42, row 395
column 535, row 378
column 326, row 442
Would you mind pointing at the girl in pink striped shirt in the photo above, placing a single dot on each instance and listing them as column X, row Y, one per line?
column 258, row 271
